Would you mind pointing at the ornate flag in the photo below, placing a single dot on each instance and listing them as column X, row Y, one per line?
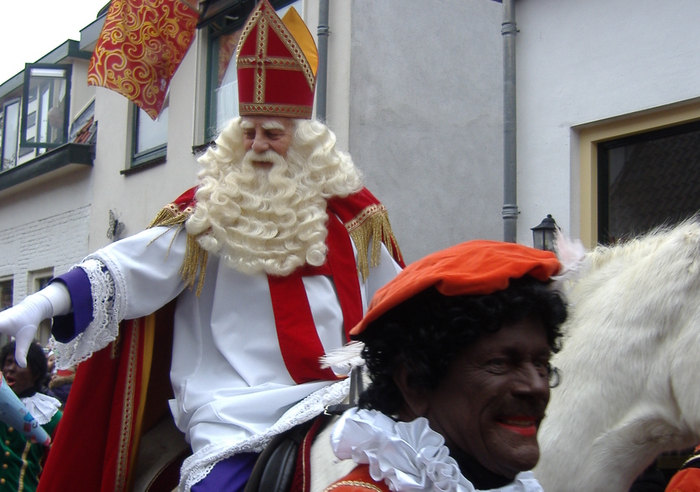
column 141, row 45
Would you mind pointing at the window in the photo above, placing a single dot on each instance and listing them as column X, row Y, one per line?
column 34, row 116
column 46, row 105
column 6, row 286
column 150, row 138
column 84, row 128
column 10, row 132
column 36, row 281
column 225, row 31
column 648, row 180
column 592, row 140
column 5, row 294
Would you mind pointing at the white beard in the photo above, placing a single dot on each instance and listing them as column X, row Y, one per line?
column 262, row 220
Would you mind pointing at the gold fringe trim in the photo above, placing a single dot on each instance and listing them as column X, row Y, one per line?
column 372, row 222
column 116, row 346
column 195, row 262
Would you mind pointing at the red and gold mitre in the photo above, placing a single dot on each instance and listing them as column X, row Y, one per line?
column 276, row 61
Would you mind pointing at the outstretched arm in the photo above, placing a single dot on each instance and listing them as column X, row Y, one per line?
column 125, row 280
column 21, row 321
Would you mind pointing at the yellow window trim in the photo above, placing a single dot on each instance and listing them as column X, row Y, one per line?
column 590, row 135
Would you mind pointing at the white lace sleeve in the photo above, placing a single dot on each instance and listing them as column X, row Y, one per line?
column 108, row 306
column 130, row 278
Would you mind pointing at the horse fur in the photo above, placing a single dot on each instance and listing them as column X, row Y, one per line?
column 629, row 363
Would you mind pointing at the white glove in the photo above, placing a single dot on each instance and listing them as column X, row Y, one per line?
column 21, row 321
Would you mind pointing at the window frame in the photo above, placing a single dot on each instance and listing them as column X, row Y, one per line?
column 5, row 104
column 37, row 280
column 591, row 135
column 151, row 156
column 68, row 72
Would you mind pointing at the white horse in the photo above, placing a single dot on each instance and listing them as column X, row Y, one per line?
column 630, row 363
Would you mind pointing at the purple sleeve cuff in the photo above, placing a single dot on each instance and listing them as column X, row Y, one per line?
column 66, row 328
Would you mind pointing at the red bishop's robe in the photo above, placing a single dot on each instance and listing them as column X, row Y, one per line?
column 122, row 390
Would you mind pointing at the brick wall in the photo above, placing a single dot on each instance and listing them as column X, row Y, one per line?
column 56, row 242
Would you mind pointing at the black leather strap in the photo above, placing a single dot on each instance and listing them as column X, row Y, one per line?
column 274, row 469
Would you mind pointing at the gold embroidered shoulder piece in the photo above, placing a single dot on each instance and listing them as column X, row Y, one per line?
column 368, row 226
column 372, row 223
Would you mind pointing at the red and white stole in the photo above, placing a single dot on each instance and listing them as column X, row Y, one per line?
column 293, row 318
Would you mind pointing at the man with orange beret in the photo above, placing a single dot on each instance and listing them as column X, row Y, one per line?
column 267, row 263
column 457, row 347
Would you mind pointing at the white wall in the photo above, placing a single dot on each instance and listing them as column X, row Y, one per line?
column 585, row 61
column 138, row 197
column 426, row 106
column 81, row 93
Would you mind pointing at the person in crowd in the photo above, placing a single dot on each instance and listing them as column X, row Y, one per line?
column 60, row 384
column 457, row 348
column 271, row 259
column 22, row 459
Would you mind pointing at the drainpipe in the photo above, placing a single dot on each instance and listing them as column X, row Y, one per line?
column 510, row 172
column 322, row 74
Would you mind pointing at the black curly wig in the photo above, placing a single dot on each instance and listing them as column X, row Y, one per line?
column 426, row 332
column 36, row 361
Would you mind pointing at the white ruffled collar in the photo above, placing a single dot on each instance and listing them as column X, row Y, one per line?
column 407, row 456
column 42, row 407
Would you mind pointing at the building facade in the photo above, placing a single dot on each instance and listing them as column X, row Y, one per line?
column 416, row 96
column 607, row 105
column 412, row 93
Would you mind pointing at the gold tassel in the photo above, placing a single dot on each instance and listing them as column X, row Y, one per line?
column 373, row 222
column 195, row 262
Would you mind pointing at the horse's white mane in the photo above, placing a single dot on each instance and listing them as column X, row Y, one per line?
column 628, row 362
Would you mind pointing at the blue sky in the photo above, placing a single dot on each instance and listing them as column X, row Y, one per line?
column 32, row 28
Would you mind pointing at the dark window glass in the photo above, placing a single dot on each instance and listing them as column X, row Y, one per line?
column 5, row 294
column 648, row 180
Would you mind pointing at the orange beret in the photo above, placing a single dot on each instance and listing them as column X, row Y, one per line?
column 471, row 268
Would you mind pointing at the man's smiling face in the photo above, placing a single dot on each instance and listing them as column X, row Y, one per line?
column 492, row 400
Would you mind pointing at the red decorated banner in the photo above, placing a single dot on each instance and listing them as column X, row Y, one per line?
column 140, row 47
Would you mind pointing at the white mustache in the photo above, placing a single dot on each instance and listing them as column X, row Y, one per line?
column 267, row 156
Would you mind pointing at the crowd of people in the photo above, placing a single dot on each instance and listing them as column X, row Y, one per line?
column 22, row 457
